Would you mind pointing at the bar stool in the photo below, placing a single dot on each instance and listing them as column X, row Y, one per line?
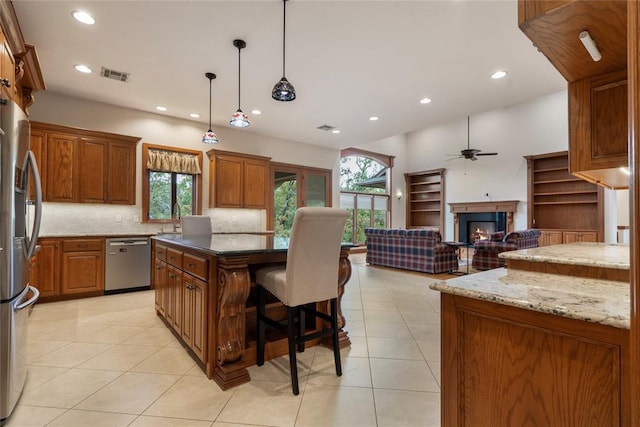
column 195, row 224
column 310, row 276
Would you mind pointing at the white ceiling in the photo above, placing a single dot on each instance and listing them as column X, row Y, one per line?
column 348, row 60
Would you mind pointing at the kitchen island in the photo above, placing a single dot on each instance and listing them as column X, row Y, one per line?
column 204, row 294
column 544, row 341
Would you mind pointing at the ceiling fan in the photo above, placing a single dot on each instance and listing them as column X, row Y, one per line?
column 470, row 153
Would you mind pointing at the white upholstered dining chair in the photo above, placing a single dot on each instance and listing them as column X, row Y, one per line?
column 310, row 276
column 195, row 224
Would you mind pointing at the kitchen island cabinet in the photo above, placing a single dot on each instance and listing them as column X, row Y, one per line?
column 543, row 342
column 216, row 317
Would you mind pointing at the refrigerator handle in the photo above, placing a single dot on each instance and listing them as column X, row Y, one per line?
column 30, row 162
column 30, row 301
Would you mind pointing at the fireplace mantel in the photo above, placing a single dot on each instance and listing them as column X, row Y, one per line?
column 508, row 206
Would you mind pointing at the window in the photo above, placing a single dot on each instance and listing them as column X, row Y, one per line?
column 364, row 191
column 172, row 184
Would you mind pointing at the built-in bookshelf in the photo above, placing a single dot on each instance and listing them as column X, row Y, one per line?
column 564, row 207
column 425, row 199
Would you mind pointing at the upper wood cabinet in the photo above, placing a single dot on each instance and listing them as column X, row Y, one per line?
column 238, row 180
column 83, row 166
column 598, row 129
column 7, row 69
column 19, row 65
column 597, row 89
column 554, row 25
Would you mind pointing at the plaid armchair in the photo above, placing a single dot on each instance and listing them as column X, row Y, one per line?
column 418, row 250
column 486, row 252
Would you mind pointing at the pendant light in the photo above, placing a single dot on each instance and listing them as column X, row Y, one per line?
column 210, row 137
column 239, row 119
column 283, row 90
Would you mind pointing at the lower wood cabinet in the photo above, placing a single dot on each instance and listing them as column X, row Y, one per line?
column 68, row 267
column 557, row 237
column 180, row 283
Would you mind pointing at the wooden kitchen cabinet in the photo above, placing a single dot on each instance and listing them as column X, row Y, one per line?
column 7, row 69
column 598, row 129
column 61, row 154
column 550, row 237
column 82, row 166
column 82, row 270
column 579, row 236
column 597, row 89
column 180, row 283
column 238, row 180
column 194, row 326
column 44, row 270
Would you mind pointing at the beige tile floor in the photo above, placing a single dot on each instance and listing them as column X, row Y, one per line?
column 109, row 361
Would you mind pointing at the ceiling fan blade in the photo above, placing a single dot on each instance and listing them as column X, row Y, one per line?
column 486, row 154
column 473, row 159
column 454, row 158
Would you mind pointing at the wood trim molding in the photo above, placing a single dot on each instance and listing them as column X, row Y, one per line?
column 385, row 159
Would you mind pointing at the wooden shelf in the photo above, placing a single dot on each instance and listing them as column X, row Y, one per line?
column 431, row 183
column 559, row 202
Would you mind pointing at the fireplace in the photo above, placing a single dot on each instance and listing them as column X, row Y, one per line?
column 479, row 225
column 477, row 220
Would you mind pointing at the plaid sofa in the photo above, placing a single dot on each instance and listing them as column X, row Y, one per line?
column 418, row 250
column 486, row 252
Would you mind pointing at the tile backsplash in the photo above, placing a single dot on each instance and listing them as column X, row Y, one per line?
column 69, row 219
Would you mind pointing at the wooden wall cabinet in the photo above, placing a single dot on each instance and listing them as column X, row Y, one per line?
column 597, row 89
column 566, row 208
column 425, row 199
column 180, row 283
column 81, row 166
column 238, row 180
column 7, row 69
column 598, row 129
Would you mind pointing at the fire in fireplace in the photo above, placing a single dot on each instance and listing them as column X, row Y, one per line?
column 480, row 230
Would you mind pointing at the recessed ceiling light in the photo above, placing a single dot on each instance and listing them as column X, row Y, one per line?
column 335, row 131
column 84, row 17
column 498, row 74
column 194, row 115
column 256, row 112
column 82, row 68
column 161, row 108
column 425, row 100
column 374, row 118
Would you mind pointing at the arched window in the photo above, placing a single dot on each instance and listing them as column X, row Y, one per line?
column 365, row 180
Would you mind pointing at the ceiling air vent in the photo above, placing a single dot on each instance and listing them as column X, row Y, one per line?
column 120, row 76
column 326, row 127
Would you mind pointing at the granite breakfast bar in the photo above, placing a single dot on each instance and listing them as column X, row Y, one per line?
column 544, row 341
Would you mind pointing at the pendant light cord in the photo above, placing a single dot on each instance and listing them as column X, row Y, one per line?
column 284, row 35
column 210, row 80
column 239, row 49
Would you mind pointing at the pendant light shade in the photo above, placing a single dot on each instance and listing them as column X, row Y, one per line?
column 210, row 137
column 283, row 90
column 239, row 119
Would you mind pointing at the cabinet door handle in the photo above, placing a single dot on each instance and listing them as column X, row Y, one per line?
column 171, row 276
column 5, row 82
column 192, row 265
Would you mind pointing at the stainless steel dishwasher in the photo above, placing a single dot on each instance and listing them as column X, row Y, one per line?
column 128, row 264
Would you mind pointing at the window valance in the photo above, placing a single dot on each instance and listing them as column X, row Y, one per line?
column 171, row 161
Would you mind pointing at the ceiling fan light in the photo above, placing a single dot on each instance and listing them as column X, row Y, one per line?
column 209, row 137
column 239, row 120
column 283, row 91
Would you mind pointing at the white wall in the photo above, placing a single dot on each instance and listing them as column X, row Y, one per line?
column 534, row 127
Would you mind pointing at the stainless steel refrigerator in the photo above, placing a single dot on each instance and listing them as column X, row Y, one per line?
column 19, row 227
